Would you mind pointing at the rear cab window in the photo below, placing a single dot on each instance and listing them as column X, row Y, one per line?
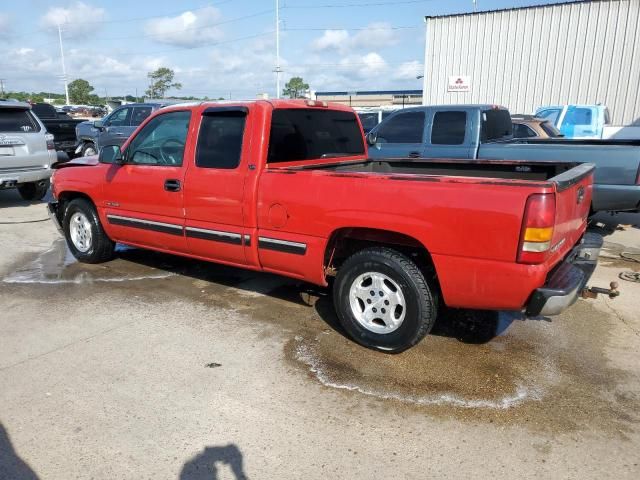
column 311, row 134
column 449, row 128
column 495, row 125
column 17, row 120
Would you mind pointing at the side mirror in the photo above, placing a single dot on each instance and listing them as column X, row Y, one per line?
column 98, row 124
column 372, row 138
column 111, row 154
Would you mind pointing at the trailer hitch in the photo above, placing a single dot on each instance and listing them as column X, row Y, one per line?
column 592, row 292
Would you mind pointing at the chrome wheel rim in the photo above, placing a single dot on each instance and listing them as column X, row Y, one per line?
column 89, row 151
column 80, row 231
column 377, row 302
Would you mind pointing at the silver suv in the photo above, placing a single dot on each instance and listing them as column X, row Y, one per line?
column 26, row 151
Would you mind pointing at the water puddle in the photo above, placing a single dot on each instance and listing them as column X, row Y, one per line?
column 58, row 266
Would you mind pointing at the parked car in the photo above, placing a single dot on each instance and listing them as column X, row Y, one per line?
column 27, row 151
column 60, row 125
column 115, row 128
column 285, row 186
column 483, row 132
column 530, row 126
column 587, row 121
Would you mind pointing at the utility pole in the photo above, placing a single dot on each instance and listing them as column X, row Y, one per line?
column 64, row 70
column 475, row 5
column 277, row 70
column 1, row 87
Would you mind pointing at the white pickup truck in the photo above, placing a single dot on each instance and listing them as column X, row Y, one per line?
column 26, row 151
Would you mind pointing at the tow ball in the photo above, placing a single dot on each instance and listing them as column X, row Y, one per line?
column 592, row 292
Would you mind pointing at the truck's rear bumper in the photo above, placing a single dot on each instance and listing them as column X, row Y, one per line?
column 621, row 198
column 565, row 283
column 10, row 177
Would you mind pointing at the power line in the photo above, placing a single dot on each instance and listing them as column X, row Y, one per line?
column 368, row 4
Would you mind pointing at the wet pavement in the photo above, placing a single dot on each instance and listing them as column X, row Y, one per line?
column 576, row 374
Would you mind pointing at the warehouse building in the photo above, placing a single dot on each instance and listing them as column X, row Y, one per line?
column 581, row 52
column 373, row 98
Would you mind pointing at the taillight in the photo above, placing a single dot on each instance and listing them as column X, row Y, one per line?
column 50, row 144
column 537, row 228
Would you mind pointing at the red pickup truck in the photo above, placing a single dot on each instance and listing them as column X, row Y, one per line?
column 286, row 186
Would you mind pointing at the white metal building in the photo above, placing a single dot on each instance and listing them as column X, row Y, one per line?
column 581, row 52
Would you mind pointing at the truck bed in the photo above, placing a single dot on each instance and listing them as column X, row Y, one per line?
column 538, row 171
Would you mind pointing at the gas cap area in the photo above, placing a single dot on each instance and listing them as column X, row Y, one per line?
column 278, row 215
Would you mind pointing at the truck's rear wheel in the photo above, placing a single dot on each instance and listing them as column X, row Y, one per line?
column 383, row 300
column 84, row 233
column 34, row 190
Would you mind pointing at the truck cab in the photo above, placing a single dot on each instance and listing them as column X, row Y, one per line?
column 577, row 121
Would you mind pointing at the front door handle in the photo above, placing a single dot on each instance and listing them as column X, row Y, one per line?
column 414, row 155
column 172, row 185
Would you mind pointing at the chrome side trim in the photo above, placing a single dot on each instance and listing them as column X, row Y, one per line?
column 286, row 246
column 214, row 235
column 161, row 227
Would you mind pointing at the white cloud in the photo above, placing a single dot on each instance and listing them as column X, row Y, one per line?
column 190, row 29
column 78, row 19
column 408, row 70
column 375, row 35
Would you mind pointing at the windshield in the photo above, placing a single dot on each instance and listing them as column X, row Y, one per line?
column 307, row 134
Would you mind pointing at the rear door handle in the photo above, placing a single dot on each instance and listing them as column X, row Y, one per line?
column 172, row 185
column 414, row 155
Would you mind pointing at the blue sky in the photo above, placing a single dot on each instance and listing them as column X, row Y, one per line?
column 221, row 47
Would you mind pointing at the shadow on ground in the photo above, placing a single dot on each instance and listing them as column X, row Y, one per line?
column 205, row 465
column 12, row 467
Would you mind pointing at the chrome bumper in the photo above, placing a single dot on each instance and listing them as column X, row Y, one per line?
column 566, row 282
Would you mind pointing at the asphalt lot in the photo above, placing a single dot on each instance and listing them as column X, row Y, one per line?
column 153, row 366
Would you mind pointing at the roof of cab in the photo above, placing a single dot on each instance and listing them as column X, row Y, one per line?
column 276, row 104
column 11, row 104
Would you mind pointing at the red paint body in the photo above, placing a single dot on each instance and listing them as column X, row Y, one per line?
column 470, row 226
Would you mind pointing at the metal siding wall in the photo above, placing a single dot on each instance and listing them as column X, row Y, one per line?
column 587, row 52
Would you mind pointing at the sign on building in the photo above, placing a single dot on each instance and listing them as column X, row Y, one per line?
column 459, row 83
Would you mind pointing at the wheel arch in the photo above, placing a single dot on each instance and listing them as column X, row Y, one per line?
column 345, row 241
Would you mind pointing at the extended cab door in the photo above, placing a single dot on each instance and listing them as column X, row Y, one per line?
column 215, row 186
column 449, row 134
column 401, row 135
column 143, row 200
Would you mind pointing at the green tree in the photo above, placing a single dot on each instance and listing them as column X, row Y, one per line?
column 80, row 92
column 295, row 88
column 161, row 81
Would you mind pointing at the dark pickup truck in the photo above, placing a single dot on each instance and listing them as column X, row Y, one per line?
column 60, row 125
column 484, row 133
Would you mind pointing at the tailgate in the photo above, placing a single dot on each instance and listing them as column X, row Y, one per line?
column 573, row 203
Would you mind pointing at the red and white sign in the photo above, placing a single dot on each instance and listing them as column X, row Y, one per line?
column 459, row 83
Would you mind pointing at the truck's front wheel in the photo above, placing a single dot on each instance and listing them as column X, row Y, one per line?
column 383, row 300
column 85, row 236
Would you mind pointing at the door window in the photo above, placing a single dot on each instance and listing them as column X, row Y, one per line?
column 578, row 116
column 220, row 140
column 161, row 141
column 402, row 128
column 139, row 115
column 120, row 118
column 448, row 128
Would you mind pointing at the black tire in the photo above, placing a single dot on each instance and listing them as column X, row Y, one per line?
column 87, row 148
column 34, row 191
column 101, row 247
column 421, row 305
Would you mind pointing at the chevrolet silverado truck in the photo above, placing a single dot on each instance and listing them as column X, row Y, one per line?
column 26, row 151
column 286, row 187
column 484, row 132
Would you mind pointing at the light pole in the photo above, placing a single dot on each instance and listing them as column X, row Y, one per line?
column 277, row 70
column 64, row 70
